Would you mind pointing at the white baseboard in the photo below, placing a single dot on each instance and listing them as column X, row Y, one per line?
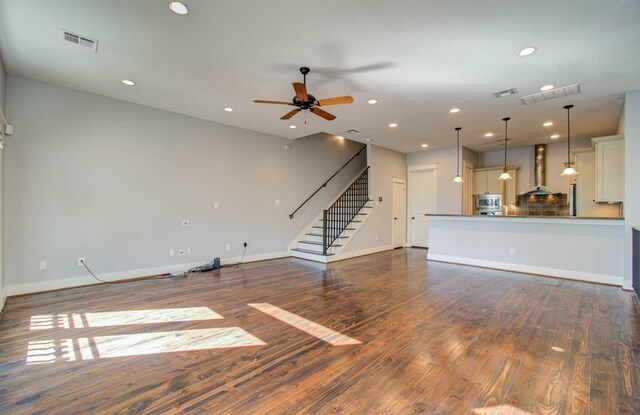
column 3, row 297
column 361, row 252
column 627, row 286
column 531, row 269
column 56, row 284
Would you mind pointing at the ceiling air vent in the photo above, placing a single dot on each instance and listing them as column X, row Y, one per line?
column 505, row 92
column 79, row 40
column 352, row 131
column 554, row 93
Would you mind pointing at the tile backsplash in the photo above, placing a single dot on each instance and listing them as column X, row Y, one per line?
column 540, row 205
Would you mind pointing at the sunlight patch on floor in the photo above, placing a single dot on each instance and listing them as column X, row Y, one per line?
column 83, row 348
column 500, row 410
column 323, row 333
column 121, row 318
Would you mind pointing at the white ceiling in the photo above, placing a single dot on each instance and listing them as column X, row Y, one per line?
column 424, row 56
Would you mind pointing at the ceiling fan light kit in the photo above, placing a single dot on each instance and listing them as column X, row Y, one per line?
column 305, row 101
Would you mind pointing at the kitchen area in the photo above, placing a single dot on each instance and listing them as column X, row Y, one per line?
column 540, row 221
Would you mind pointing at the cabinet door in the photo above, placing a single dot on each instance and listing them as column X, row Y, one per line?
column 479, row 182
column 610, row 171
column 511, row 189
column 494, row 185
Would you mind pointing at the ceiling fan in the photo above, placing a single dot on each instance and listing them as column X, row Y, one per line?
column 306, row 101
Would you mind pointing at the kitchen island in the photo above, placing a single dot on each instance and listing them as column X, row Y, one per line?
column 586, row 249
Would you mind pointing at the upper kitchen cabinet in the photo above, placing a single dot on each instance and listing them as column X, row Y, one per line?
column 486, row 181
column 609, row 168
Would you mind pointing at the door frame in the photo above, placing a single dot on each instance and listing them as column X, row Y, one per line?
column 400, row 180
column 410, row 195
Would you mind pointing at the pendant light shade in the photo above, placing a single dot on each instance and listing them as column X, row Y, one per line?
column 569, row 170
column 505, row 174
column 458, row 179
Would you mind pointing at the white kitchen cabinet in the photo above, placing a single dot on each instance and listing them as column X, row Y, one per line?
column 585, row 201
column 609, row 168
column 486, row 181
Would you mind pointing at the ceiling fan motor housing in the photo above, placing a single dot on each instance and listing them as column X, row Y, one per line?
column 305, row 104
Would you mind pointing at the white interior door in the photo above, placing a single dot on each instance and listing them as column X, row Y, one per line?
column 399, row 211
column 422, row 200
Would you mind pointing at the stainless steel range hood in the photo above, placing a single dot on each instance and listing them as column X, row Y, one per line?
column 540, row 179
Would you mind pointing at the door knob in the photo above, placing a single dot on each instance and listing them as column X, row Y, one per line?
column 412, row 217
column 395, row 218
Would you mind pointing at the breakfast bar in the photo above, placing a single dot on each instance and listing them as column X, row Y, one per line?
column 580, row 248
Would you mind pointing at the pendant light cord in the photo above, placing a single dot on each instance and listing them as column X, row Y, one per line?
column 568, row 108
column 506, row 122
column 458, row 158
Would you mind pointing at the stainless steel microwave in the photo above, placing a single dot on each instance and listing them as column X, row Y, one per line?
column 487, row 204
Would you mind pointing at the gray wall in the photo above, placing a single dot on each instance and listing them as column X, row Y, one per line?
column 385, row 165
column 632, row 173
column 448, row 194
column 3, row 107
column 95, row 177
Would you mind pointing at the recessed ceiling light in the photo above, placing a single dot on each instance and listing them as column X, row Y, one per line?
column 392, row 125
column 424, row 145
column 372, row 101
column 547, row 124
column 454, row 110
column 555, row 136
column 178, row 7
column 547, row 87
column 228, row 109
column 488, row 135
column 128, row 82
column 292, row 126
column 527, row 51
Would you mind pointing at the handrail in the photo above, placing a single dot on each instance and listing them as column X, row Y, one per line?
column 328, row 180
column 339, row 215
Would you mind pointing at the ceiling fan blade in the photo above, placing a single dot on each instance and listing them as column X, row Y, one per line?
column 301, row 91
column 261, row 101
column 290, row 114
column 323, row 114
column 335, row 101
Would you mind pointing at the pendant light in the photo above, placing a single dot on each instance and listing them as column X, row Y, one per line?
column 505, row 175
column 569, row 170
column 458, row 179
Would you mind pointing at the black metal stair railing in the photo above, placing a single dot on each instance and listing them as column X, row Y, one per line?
column 338, row 216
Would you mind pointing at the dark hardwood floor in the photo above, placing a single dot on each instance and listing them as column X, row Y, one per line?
column 423, row 337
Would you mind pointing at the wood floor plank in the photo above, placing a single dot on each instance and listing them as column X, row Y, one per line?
column 434, row 338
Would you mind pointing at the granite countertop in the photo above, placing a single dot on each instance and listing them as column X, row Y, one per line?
column 526, row 217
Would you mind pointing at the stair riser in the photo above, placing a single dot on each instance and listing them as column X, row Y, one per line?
column 314, row 248
column 318, row 232
column 318, row 238
column 309, row 257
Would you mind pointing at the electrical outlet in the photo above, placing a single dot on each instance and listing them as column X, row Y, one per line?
column 188, row 251
column 81, row 261
column 43, row 265
column 228, row 247
column 185, row 222
column 512, row 251
column 277, row 202
column 216, row 205
column 182, row 252
column 171, row 252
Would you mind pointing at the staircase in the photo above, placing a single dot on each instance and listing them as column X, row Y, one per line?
column 330, row 232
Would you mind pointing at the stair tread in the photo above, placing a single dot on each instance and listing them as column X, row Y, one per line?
column 352, row 221
column 315, row 243
column 319, row 234
column 306, row 251
column 346, row 229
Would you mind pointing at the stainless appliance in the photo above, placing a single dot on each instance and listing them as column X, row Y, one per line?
column 540, row 163
column 487, row 204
